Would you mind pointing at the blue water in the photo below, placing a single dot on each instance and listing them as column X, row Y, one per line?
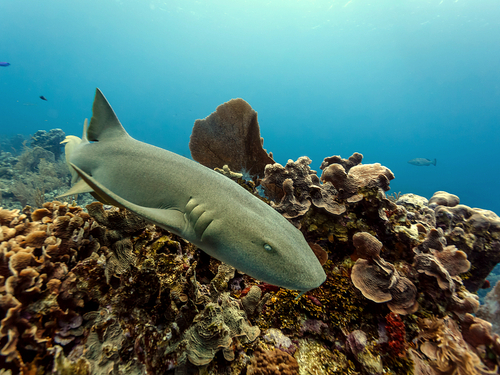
column 394, row 80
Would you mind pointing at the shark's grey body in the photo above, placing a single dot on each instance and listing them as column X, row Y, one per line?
column 195, row 202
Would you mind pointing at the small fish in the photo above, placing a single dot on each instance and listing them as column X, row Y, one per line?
column 4, row 63
column 420, row 162
column 43, row 97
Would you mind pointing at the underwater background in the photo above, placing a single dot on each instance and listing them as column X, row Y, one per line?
column 392, row 80
column 87, row 288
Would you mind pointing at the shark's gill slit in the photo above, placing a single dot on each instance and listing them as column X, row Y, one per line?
column 203, row 228
column 190, row 205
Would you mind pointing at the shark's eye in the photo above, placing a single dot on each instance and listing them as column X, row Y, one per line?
column 267, row 247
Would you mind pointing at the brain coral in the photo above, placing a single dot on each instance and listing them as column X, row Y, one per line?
column 272, row 362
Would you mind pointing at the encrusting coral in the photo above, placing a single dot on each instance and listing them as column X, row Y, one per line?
column 35, row 256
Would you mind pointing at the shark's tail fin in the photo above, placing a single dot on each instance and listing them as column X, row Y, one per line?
column 71, row 141
column 434, row 162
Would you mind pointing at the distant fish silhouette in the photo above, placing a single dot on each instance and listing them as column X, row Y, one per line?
column 421, row 162
column 4, row 63
column 43, row 97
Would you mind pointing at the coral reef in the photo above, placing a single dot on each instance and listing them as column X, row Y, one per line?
column 50, row 141
column 490, row 310
column 102, row 291
column 230, row 136
column 442, row 343
column 32, row 171
column 13, row 144
column 474, row 231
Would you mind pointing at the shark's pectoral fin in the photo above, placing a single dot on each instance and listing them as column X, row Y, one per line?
column 79, row 188
column 169, row 219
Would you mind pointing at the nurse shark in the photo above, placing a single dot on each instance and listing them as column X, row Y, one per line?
column 188, row 199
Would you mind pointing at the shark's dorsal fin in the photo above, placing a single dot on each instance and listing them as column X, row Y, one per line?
column 104, row 125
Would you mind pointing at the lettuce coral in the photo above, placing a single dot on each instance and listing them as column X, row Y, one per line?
column 378, row 280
